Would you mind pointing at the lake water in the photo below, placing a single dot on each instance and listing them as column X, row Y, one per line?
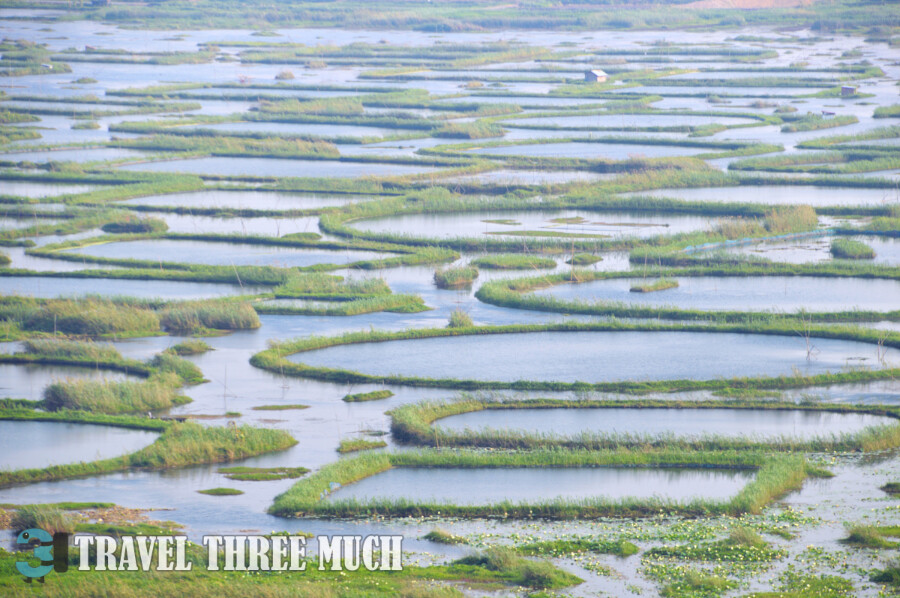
column 279, row 167
column 223, row 254
column 608, row 151
column 782, row 194
column 694, row 423
column 25, row 444
column 475, row 224
column 739, row 293
column 516, row 485
column 595, row 356
column 248, row 200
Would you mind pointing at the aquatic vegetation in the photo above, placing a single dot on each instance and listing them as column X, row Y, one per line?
column 584, row 259
column 514, row 569
column 262, row 474
column 455, row 277
column 513, row 262
column 221, row 492
column 891, row 488
column 180, row 445
column 352, row 445
column 49, row 518
column 198, row 316
column 850, row 249
column 101, row 396
column 660, row 284
column 442, row 536
column 375, row 395
column 871, row 536
column 193, row 346
column 279, row 407
column 567, row 547
column 133, row 224
column 460, row 319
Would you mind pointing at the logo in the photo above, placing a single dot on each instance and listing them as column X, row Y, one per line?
column 52, row 551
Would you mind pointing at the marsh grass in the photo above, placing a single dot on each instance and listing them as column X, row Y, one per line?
column 49, row 518
column 135, row 224
column 197, row 316
column 850, row 249
column 577, row 545
column 460, row 318
column 375, row 395
column 91, row 317
column 102, row 396
column 279, row 407
column 442, row 536
column 660, row 284
column 517, row 570
column 192, row 346
column 584, row 259
column 353, row 445
column 891, row 488
column 262, row 474
column 180, row 445
column 457, row 277
column 871, row 536
column 513, row 262
column 221, row 492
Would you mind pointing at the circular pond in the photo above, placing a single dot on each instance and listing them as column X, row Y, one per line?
column 751, row 423
column 32, row 444
column 595, row 356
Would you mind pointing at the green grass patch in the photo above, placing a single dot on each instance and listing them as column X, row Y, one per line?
column 442, row 536
column 775, row 475
column 577, row 545
column 353, row 445
column 375, row 395
column 279, row 407
column 661, row 284
column 460, row 318
column 871, row 536
column 891, row 488
column 193, row 346
column 262, row 474
column 197, row 316
column 584, row 259
column 221, row 492
column 458, row 277
column 850, row 249
column 512, row 261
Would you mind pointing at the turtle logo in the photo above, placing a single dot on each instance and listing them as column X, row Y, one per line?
column 51, row 550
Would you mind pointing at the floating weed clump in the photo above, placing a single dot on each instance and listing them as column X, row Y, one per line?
column 458, row 277
column 871, row 536
column 221, row 492
column 279, row 407
column 442, row 536
column 584, row 259
column 193, row 346
column 459, row 318
column 353, row 445
column 262, row 474
column 133, row 224
column 567, row 547
column 513, row 261
column 515, row 569
column 375, row 395
column 850, row 249
column 661, row 284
